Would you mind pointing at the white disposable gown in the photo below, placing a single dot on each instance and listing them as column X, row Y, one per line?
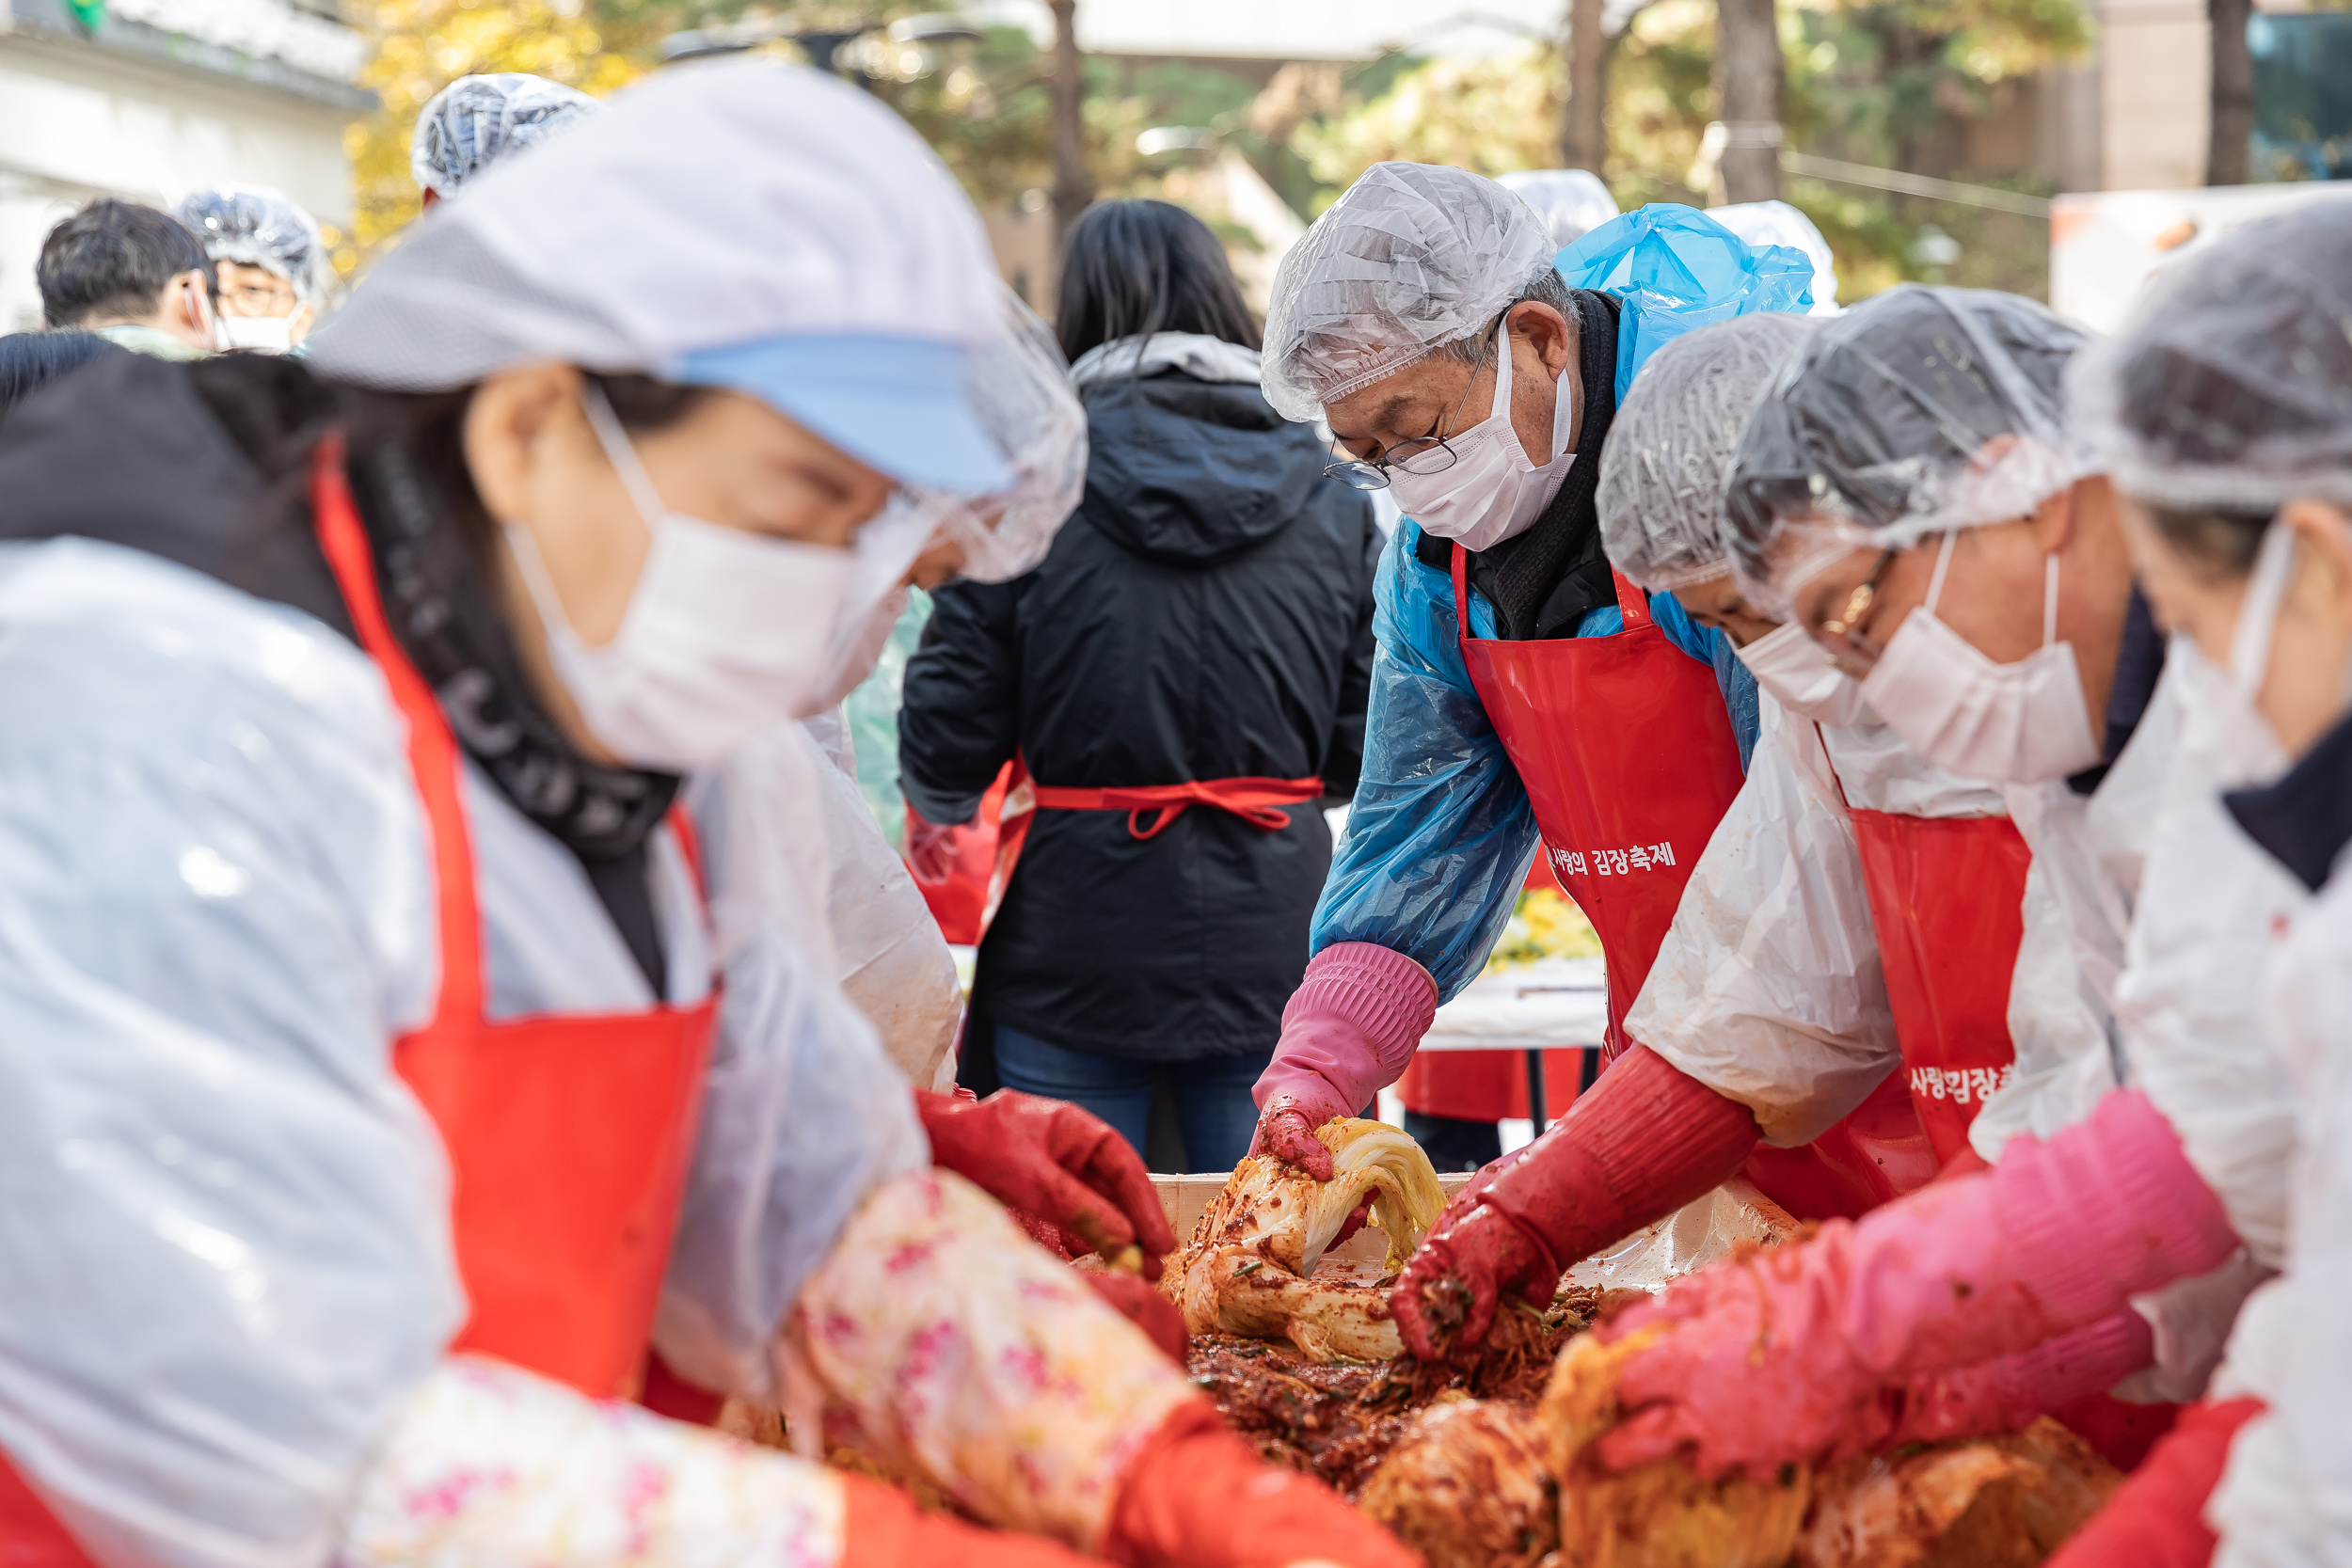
column 223, row 1219
column 1768, row 987
column 2285, row 1500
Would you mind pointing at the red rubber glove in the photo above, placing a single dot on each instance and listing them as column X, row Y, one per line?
column 1801, row 1353
column 883, row 1527
column 1144, row 1306
column 1349, row 1031
column 1197, row 1496
column 1053, row 1160
column 1644, row 1141
column 2156, row 1519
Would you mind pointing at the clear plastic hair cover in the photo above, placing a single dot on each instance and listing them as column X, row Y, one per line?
column 476, row 120
column 1021, row 389
column 1571, row 202
column 260, row 228
column 1918, row 411
column 1661, row 474
column 2231, row 388
column 1410, row 257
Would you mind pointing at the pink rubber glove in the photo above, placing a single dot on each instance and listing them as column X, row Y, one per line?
column 2005, row 1395
column 1641, row 1143
column 1800, row 1353
column 1349, row 1032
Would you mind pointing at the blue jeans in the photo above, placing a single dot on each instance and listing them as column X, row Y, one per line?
column 1213, row 1104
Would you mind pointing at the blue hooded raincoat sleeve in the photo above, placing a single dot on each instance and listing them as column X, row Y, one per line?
column 1441, row 833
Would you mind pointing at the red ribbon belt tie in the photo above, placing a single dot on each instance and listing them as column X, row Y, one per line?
column 1256, row 801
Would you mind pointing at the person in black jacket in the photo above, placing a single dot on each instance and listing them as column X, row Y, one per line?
column 1197, row 643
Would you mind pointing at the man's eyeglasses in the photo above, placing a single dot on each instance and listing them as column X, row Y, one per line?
column 1423, row 455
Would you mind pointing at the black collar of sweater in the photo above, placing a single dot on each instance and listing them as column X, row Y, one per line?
column 2304, row 819
column 1544, row 581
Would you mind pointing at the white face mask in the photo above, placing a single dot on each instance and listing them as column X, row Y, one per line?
column 2221, row 703
column 725, row 632
column 1802, row 678
column 1492, row 492
column 2005, row 723
column 264, row 334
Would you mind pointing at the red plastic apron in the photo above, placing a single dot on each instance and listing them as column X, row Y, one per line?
column 1629, row 761
column 1946, row 898
column 1150, row 808
column 568, row 1136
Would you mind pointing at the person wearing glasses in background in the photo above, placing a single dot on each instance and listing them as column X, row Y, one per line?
column 1426, row 319
column 271, row 275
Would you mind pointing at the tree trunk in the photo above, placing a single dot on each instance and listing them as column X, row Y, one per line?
column 2229, row 142
column 1748, row 47
column 1585, row 128
column 1073, row 189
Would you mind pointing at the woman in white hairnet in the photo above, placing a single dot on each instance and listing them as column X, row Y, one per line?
column 271, row 275
column 2224, row 407
column 1845, row 945
column 395, row 1041
column 1911, row 491
column 478, row 120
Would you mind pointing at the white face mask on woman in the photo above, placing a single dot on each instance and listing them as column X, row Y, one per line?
column 1803, row 679
column 1492, row 492
column 2005, row 723
column 725, row 633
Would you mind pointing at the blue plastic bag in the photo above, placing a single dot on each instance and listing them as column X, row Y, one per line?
column 1678, row 270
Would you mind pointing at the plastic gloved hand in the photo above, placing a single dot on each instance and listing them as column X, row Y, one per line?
column 931, row 848
column 1056, row 1161
column 1349, row 1031
column 1798, row 1352
column 1197, row 1496
column 1644, row 1141
column 2005, row 1395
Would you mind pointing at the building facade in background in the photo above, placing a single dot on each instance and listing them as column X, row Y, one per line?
column 151, row 99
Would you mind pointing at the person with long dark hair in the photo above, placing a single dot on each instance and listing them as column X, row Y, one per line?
column 1180, row 686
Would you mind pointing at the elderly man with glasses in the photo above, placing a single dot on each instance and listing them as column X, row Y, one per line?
column 1462, row 365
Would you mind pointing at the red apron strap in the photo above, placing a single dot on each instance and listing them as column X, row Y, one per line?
column 1461, row 592
column 1631, row 602
column 1152, row 807
column 432, row 749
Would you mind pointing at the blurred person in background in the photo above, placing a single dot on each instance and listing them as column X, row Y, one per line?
column 1181, row 684
column 476, row 120
column 427, row 1038
column 131, row 274
column 1570, row 202
column 271, row 275
column 31, row 360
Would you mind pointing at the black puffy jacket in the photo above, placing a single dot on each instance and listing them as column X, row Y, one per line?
column 1205, row 614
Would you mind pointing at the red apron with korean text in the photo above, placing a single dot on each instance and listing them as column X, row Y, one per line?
column 1629, row 761
column 1946, row 898
column 568, row 1136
